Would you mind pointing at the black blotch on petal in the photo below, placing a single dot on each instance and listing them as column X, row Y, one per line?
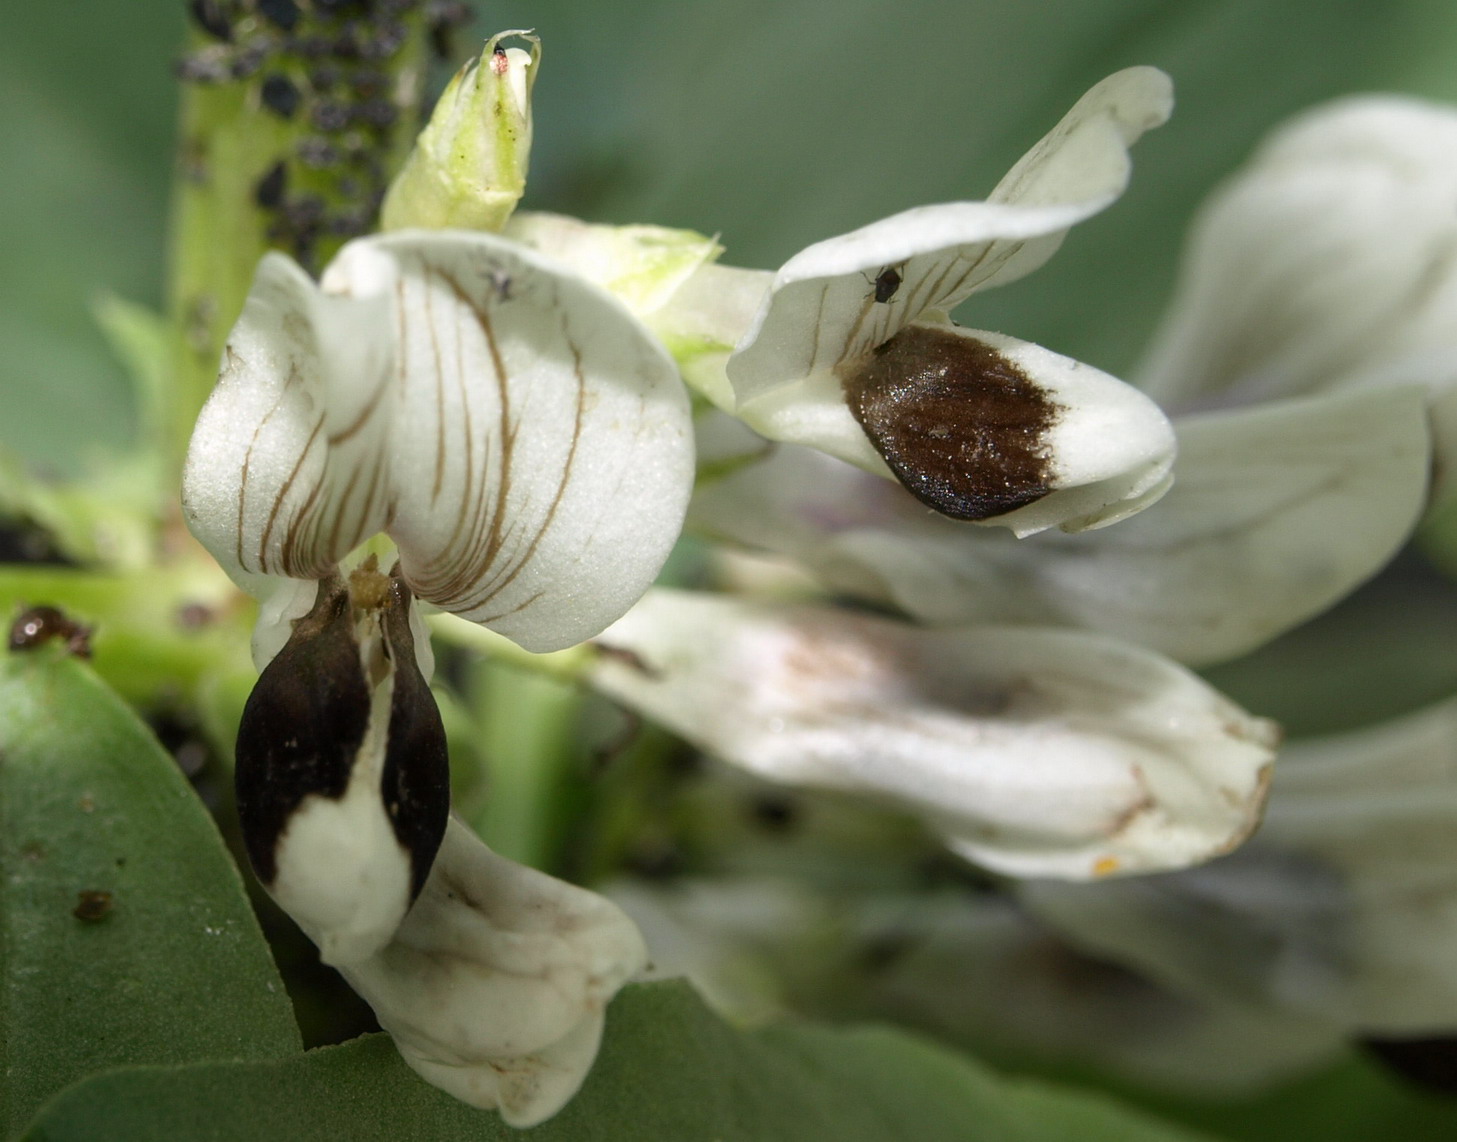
column 416, row 779
column 302, row 726
column 268, row 191
column 960, row 425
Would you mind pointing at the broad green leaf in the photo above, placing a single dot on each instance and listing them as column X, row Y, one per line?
column 163, row 961
column 670, row 1071
column 1355, row 1101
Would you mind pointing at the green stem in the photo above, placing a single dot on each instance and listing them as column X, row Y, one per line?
column 287, row 140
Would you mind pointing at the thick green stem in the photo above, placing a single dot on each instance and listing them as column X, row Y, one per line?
column 287, row 140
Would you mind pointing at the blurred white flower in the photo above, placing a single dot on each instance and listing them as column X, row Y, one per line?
column 1318, row 284
column 1031, row 752
column 1342, row 911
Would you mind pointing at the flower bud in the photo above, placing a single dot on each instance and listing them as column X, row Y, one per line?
column 468, row 168
column 342, row 776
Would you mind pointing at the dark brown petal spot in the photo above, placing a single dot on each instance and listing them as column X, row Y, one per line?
column 302, row 726
column 416, row 779
column 960, row 425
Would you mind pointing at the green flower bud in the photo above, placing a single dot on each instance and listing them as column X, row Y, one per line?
column 468, row 168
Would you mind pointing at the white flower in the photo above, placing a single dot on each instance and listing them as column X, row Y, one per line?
column 526, row 445
column 1032, row 752
column 1343, row 910
column 851, row 351
column 1318, row 283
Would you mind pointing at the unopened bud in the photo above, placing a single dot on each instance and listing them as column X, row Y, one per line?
column 468, row 168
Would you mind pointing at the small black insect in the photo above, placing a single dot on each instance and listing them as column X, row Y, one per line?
column 268, row 191
column 213, row 18
column 886, row 283
column 282, row 14
column 281, row 96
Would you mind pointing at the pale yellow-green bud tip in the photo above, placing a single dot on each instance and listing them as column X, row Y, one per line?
column 468, row 167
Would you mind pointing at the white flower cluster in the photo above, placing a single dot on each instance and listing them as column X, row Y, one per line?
column 509, row 409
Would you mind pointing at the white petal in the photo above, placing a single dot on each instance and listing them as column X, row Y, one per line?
column 542, row 457
column 974, row 433
column 1276, row 513
column 1346, row 906
column 1379, row 806
column 641, row 266
column 1263, row 928
column 1330, row 260
column 823, row 308
column 1035, row 752
column 495, row 985
column 286, row 471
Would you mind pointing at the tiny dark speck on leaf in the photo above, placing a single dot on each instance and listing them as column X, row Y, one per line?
column 92, row 905
column 37, row 625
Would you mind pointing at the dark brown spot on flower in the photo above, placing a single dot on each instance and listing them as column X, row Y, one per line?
column 960, row 425
column 302, row 726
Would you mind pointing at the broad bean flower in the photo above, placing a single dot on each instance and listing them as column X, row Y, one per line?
column 1308, row 353
column 525, row 444
column 1031, row 752
column 849, row 348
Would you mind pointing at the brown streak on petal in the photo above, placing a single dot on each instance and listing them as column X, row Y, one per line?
column 231, row 358
column 502, row 582
column 282, row 494
column 362, row 419
column 961, row 426
column 814, row 351
column 439, row 388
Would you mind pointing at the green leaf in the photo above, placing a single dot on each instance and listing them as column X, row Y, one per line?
column 164, row 963
column 670, row 1071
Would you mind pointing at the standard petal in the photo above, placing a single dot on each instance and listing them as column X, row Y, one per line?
column 840, row 298
column 1276, row 513
column 983, row 427
column 1034, row 752
column 495, row 984
column 286, row 471
column 543, row 455
column 1330, row 260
